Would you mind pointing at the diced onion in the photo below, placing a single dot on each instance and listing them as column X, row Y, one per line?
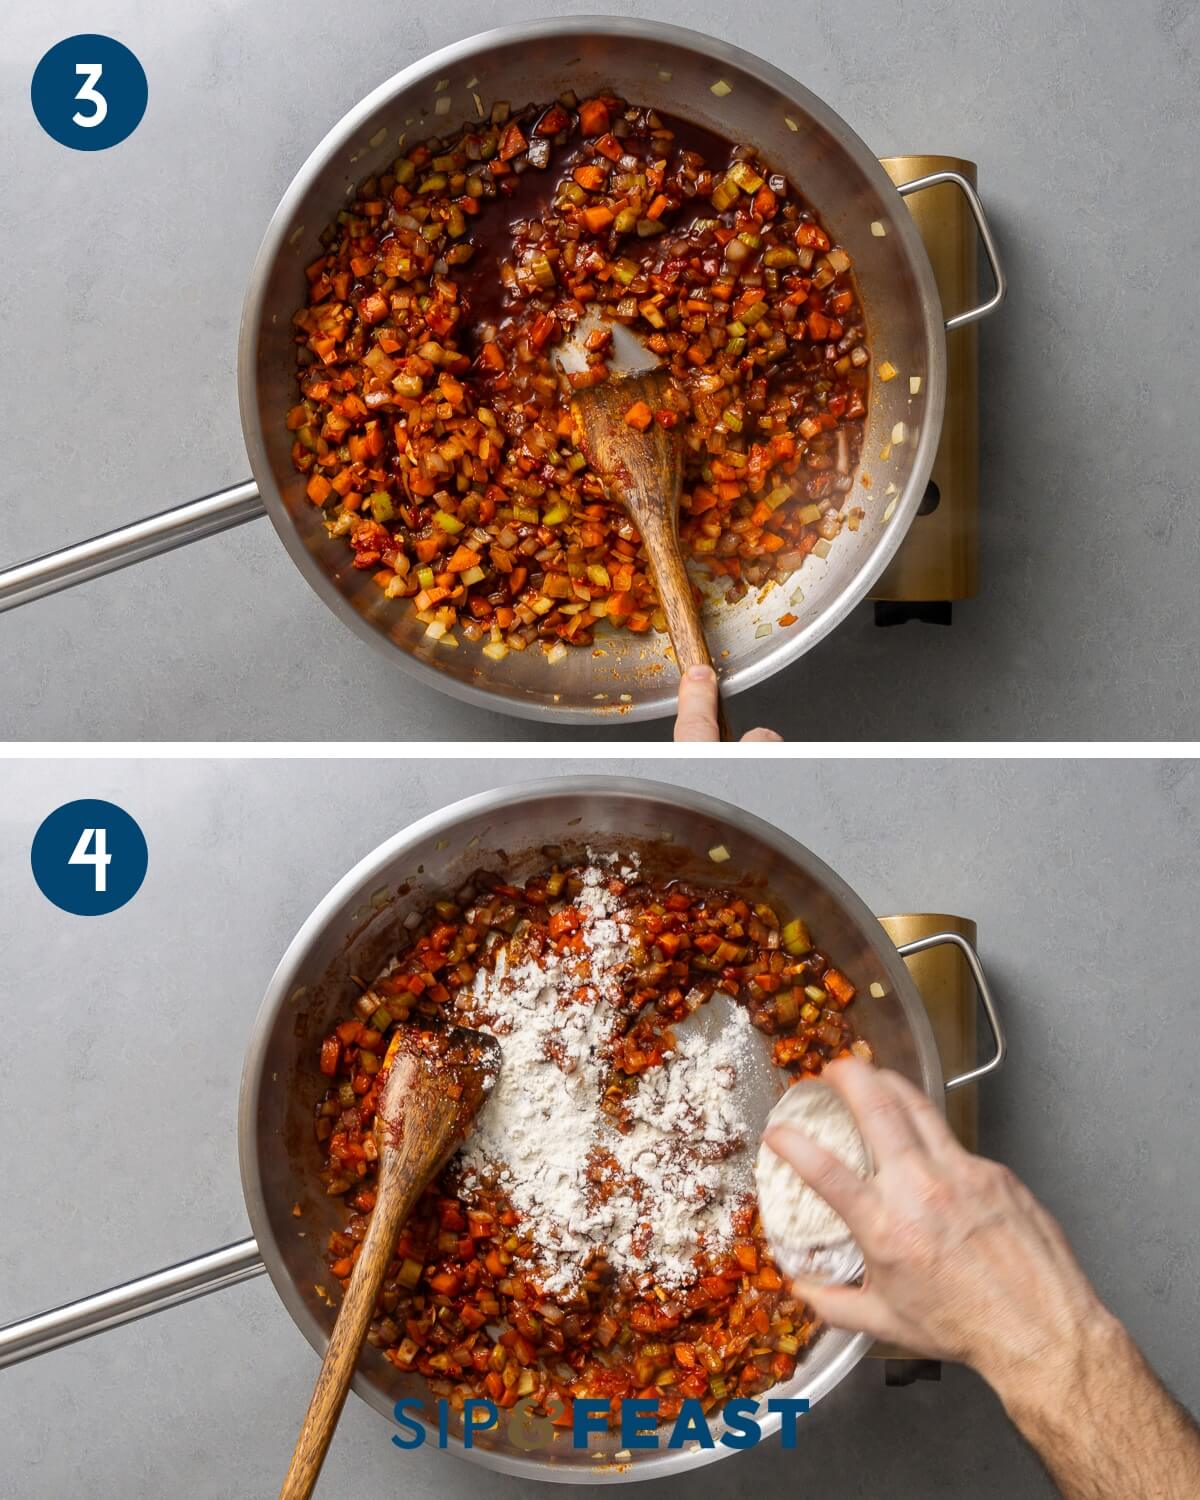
column 719, row 854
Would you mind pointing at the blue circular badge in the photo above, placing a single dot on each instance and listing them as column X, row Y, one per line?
column 89, row 857
column 89, row 92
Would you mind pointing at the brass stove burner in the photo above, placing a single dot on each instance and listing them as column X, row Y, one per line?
column 945, row 983
column 938, row 560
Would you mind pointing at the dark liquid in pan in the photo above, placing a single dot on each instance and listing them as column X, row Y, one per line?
column 532, row 197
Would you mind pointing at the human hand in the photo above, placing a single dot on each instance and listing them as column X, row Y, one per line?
column 697, row 717
column 962, row 1262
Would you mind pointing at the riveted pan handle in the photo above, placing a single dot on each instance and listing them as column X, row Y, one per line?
column 967, row 188
column 133, row 1299
column 129, row 544
column 986, row 999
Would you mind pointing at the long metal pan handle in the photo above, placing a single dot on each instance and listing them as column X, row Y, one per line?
column 972, row 314
column 986, row 999
column 129, row 544
column 134, row 1299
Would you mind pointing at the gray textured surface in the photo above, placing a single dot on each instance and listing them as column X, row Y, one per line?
column 127, row 270
column 123, row 1039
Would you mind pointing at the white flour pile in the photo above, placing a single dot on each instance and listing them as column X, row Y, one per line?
column 543, row 1131
column 805, row 1234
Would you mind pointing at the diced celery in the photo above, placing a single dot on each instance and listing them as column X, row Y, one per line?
column 410, row 1273
column 724, row 195
column 745, row 176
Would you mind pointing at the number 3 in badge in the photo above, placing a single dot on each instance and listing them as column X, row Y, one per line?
column 92, row 73
column 89, row 92
column 89, row 857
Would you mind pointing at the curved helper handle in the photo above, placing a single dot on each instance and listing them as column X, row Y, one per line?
column 984, row 991
column 133, row 1299
column 967, row 188
column 129, row 544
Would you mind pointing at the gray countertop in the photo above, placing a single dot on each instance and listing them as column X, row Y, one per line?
column 126, row 270
column 123, row 1042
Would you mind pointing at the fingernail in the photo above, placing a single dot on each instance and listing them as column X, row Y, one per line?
column 700, row 674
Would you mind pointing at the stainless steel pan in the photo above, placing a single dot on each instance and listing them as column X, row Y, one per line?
column 675, row 70
column 354, row 930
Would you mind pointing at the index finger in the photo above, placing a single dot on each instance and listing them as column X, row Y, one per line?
column 883, row 1114
column 697, row 716
column 831, row 1179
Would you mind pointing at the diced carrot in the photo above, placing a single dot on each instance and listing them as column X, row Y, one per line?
column 639, row 415
column 512, row 143
column 590, row 176
column 593, row 117
column 373, row 307
column 598, row 219
column 319, row 489
column 554, row 120
column 746, row 1257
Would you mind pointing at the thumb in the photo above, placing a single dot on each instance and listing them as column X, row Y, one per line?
column 697, row 718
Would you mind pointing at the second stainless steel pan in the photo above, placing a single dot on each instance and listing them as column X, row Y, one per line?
column 353, row 931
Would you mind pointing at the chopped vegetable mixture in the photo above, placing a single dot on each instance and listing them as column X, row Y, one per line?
column 434, row 428
column 461, row 1301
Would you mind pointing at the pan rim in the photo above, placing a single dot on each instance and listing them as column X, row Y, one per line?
column 839, row 606
column 361, row 879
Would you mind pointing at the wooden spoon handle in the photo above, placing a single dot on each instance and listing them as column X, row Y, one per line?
column 679, row 603
column 398, row 1192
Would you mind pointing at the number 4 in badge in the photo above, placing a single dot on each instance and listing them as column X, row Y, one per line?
column 98, row 856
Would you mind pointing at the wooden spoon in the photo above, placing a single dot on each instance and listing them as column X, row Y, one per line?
column 643, row 471
column 435, row 1082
